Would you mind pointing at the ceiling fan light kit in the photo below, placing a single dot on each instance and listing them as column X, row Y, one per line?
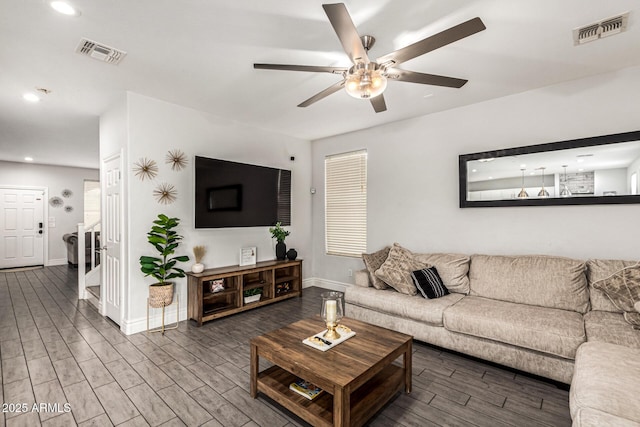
column 367, row 79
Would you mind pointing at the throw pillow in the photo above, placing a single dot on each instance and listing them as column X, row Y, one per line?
column 623, row 289
column 429, row 283
column 373, row 262
column 396, row 270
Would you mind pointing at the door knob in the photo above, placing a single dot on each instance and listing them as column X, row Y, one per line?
column 104, row 248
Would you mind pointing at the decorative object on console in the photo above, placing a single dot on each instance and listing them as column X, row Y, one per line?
column 248, row 256
column 279, row 233
column 283, row 288
column 623, row 289
column 198, row 253
column 165, row 193
column 216, row 285
column 332, row 312
column 396, row 270
column 145, row 169
column 165, row 240
column 252, row 295
column 292, row 254
column 176, row 159
column 373, row 262
column 429, row 283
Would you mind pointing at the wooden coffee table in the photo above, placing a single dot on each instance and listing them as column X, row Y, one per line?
column 358, row 375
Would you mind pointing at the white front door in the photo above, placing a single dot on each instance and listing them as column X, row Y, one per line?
column 21, row 227
column 112, row 266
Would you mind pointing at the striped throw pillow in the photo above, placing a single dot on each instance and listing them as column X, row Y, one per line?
column 429, row 283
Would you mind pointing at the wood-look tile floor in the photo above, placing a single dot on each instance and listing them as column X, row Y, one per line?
column 57, row 350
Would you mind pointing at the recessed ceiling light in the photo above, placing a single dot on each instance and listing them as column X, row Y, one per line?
column 64, row 8
column 31, row 97
column 474, row 170
column 28, row 159
column 522, row 166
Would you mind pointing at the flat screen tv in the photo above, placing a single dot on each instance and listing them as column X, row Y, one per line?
column 231, row 194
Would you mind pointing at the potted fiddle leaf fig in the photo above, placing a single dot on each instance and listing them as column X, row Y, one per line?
column 165, row 240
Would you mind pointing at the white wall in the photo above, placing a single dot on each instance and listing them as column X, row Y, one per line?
column 411, row 202
column 155, row 127
column 610, row 180
column 55, row 179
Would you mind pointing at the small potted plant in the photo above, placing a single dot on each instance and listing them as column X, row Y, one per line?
column 252, row 295
column 198, row 254
column 165, row 240
column 279, row 233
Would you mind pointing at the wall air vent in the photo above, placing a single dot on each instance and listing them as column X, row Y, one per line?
column 598, row 30
column 100, row 51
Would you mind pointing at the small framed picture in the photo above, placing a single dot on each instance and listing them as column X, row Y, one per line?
column 248, row 256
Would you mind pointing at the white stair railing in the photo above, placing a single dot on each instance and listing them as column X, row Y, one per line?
column 92, row 276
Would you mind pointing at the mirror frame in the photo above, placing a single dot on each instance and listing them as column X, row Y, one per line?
column 539, row 148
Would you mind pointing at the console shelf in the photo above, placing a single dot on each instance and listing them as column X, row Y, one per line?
column 279, row 280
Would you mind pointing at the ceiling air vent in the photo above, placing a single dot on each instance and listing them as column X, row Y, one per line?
column 598, row 30
column 100, row 51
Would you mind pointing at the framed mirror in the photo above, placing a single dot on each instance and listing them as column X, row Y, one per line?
column 596, row 170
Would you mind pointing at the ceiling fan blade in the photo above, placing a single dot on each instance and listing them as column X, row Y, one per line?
column 426, row 79
column 309, row 68
column 346, row 31
column 323, row 94
column 378, row 103
column 434, row 42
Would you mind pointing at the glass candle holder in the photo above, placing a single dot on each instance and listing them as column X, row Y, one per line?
column 332, row 312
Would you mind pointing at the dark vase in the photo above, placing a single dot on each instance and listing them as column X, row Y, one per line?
column 292, row 254
column 281, row 250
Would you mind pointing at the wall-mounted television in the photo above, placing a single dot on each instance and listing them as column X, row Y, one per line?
column 232, row 194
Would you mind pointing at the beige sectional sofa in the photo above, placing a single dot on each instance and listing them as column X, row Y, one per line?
column 538, row 314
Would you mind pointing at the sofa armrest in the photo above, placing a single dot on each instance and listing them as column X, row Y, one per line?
column 637, row 306
column 362, row 278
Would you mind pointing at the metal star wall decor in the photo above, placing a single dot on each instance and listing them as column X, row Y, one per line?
column 176, row 159
column 145, row 168
column 165, row 193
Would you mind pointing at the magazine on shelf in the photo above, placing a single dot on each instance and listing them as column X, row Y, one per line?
column 306, row 389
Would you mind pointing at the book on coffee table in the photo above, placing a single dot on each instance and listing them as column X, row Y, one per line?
column 306, row 389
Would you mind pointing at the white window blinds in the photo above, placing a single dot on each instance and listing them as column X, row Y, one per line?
column 346, row 203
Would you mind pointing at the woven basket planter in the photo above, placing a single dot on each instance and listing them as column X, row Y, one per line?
column 160, row 295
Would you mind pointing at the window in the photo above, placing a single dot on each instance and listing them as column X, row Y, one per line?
column 346, row 203
column 634, row 183
column 91, row 202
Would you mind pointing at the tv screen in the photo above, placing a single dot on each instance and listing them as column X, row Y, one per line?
column 231, row 194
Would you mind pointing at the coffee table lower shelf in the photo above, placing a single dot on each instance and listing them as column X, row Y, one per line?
column 365, row 401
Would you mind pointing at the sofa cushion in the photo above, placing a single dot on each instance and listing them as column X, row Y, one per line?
column 605, row 326
column 587, row 417
column 373, row 262
column 623, row 289
column 598, row 269
column 428, row 283
column 396, row 270
column 548, row 330
column 605, row 379
column 453, row 269
column 428, row 311
column 544, row 281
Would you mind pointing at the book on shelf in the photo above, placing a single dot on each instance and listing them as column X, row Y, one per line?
column 306, row 389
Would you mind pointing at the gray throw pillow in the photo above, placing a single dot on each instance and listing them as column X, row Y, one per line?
column 373, row 262
column 396, row 270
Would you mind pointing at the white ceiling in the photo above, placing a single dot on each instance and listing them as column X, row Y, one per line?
column 200, row 54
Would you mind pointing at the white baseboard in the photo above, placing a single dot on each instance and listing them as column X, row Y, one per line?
column 59, row 261
column 134, row 326
column 325, row 283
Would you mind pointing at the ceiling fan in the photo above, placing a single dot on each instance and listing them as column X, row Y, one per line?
column 367, row 79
